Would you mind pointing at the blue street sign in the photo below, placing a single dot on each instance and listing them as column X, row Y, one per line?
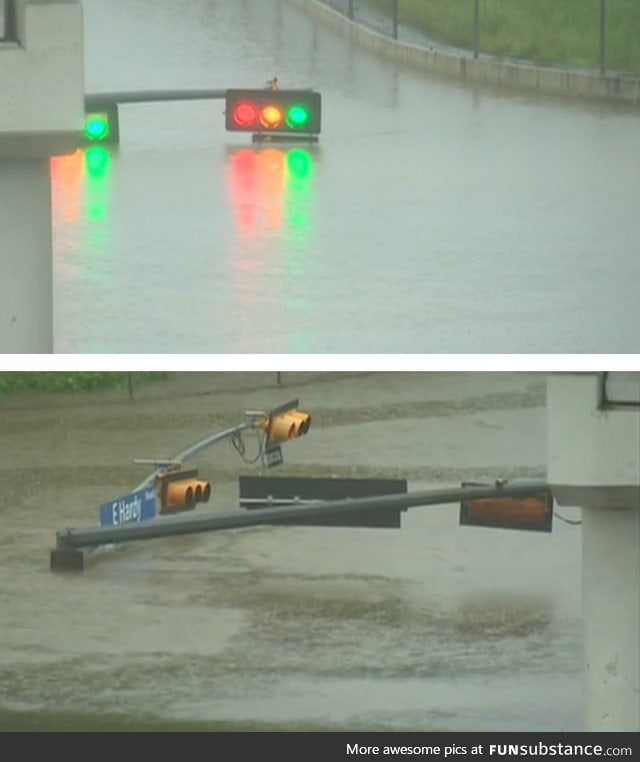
column 138, row 506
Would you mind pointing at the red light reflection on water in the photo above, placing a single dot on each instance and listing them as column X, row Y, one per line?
column 66, row 187
column 256, row 181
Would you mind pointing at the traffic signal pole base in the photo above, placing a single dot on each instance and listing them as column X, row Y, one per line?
column 261, row 137
column 67, row 559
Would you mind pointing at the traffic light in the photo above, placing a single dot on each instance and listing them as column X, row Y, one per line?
column 287, row 425
column 533, row 512
column 181, row 490
column 101, row 123
column 273, row 111
column 96, row 127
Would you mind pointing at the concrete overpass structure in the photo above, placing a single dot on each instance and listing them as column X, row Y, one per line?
column 594, row 462
column 41, row 115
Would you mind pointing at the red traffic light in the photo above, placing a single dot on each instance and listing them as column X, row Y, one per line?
column 276, row 111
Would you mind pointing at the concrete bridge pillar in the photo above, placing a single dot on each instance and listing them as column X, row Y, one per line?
column 594, row 462
column 41, row 115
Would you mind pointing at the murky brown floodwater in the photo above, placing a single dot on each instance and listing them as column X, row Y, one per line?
column 429, row 627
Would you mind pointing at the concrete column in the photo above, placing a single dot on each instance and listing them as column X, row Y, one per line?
column 26, row 284
column 611, row 606
column 594, row 462
column 41, row 115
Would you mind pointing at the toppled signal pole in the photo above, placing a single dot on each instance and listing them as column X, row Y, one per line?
column 169, row 489
column 90, row 537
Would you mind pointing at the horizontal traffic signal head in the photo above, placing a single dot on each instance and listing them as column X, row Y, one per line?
column 533, row 512
column 184, row 494
column 287, row 425
column 277, row 111
column 301, row 422
column 181, row 491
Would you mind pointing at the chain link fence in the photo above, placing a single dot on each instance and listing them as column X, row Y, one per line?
column 597, row 35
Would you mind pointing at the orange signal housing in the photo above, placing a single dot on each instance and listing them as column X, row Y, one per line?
column 180, row 491
column 301, row 420
column 533, row 512
column 288, row 425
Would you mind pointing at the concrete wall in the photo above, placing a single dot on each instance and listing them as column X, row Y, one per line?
column 485, row 70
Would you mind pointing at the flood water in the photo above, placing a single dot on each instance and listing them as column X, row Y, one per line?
column 432, row 626
column 429, row 217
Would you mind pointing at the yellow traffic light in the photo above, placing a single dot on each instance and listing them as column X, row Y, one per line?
column 287, row 425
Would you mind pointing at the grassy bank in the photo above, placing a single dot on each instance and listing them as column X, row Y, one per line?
column 552, row 32
column 57, row 381
column 105, row 722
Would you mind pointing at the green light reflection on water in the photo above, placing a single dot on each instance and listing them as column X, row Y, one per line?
column 97, row 176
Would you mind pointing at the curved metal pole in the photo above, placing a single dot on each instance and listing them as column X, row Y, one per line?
column 196, row 449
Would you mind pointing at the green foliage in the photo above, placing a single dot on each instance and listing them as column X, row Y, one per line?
column 559, row 32
column 59, row 381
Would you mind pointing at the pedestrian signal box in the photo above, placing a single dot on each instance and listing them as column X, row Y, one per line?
column 273, row 111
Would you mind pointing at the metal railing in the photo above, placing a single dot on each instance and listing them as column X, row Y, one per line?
column 399, row 20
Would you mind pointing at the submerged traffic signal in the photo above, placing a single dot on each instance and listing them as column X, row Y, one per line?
column 96, row 127
column 181, row 490
column 101, row 122
column 273, row 111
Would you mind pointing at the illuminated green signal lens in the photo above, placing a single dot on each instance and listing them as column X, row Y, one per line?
column 96, row 127
column 297, row 117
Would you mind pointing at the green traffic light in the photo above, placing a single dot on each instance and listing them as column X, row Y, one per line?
column 96, row 127
column 297, row 117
